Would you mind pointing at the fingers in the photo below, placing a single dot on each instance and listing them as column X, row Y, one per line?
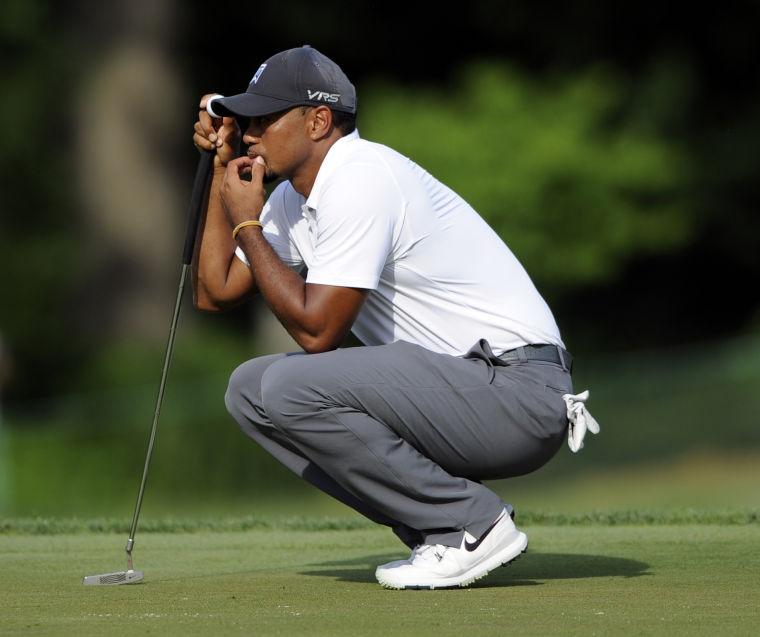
column 245, row 166
column 227, row 133
column 225, row 121
column 200, row 139
column 236, row 163
column 258, row 170
column 242, row 199
column 216, row 133
column 209, row 125
column 236, row 168
column 205, row 99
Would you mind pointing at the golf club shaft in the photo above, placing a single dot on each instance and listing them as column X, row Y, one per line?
column 200, row 184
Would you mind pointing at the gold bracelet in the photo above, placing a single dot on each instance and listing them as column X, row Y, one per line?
column 240, row 226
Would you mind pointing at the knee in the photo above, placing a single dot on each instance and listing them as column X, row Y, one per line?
column 236, row 390
column 290, row 389
column 244, row 386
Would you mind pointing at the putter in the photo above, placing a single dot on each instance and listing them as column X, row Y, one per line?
column 202, row 174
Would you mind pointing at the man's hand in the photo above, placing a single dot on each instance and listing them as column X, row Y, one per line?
column 221, row 134
column 220, row 280
column 243, row 200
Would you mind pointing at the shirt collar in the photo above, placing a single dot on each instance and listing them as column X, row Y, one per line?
column 334, row 157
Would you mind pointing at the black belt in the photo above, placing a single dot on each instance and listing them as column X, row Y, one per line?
column 548, row 353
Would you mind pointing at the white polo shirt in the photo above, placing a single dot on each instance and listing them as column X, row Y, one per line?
column 438, row 275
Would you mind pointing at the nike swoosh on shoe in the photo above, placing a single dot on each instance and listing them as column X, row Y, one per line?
column 471, row 546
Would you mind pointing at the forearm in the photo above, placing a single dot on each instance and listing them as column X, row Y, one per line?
column 284, row 291
column 214, row 248
column 316, row 316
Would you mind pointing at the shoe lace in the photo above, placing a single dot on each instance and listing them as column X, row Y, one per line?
column 428, row 552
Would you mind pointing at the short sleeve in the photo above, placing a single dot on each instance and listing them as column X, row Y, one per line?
column 278, row 225
column 358, row 210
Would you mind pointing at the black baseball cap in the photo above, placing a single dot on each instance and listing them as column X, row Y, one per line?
column 297, row 77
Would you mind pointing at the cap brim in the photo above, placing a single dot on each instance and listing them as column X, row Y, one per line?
column 249, row 105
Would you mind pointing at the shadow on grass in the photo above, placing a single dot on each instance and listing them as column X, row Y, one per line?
column 527, row 571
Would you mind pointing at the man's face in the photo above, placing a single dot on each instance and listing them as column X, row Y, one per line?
column 280, row 139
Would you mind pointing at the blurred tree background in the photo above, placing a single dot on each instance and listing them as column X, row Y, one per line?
column 612, row 147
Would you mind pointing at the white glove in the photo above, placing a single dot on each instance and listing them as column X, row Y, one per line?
column 580, row 420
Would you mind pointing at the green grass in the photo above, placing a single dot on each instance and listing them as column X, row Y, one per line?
column 60, row 526
column 232, row 543
column 685, row 579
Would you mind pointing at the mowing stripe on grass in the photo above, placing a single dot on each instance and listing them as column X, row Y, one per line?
column 57, row 526
column 674, row 581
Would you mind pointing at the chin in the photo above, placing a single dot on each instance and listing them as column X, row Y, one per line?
column 270, row 177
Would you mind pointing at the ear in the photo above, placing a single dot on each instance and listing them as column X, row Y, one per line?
column 320, row 122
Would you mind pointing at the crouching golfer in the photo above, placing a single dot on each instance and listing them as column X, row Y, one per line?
column 463, row 372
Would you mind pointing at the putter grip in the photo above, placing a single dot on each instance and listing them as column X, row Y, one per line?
column 202, row 174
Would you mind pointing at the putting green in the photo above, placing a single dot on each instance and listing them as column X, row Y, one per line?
column 575, row 580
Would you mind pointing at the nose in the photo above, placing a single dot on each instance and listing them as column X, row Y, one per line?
column 249, row 138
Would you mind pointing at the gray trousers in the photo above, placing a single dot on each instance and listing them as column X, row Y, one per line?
column 404, row 435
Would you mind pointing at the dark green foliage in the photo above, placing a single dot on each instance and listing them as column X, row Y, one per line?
column 38, row 212
column 560, row 166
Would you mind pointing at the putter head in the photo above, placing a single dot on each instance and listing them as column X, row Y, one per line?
column 111, row 579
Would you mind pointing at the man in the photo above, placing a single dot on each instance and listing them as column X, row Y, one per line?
column 463, row 371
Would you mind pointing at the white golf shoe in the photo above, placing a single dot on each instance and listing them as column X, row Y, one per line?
column 438, row 566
